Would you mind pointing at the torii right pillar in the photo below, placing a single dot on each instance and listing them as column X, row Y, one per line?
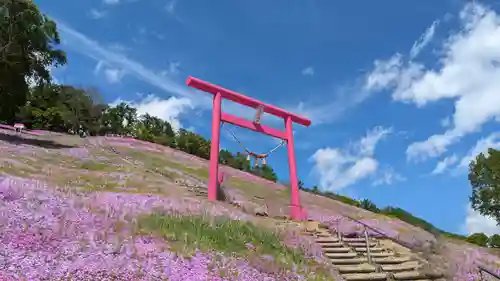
column 296, row 210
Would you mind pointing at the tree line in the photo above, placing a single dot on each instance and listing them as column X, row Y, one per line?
column 29, row 44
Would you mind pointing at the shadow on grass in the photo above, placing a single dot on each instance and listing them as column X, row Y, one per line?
column 14, row 139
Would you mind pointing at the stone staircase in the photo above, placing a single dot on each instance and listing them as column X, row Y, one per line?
column 364, row 258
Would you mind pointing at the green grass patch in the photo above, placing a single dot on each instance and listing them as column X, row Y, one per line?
column 153, row 161
column 19, row 171
column 254, row 189
column 93, row 166
column 243, row 239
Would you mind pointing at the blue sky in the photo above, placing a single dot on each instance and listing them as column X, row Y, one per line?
column 400, row 93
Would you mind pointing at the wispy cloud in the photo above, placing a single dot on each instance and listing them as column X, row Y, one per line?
column 308, row 71
column 170, row 7
column 332, row 106
column 111, row 2
column 388, row 177
column 96, row 14
column 88, row 47
column 424, row 40
column 444, row 164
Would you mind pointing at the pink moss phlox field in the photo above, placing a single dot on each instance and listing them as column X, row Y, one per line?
column 49, row 233
column 464, row 262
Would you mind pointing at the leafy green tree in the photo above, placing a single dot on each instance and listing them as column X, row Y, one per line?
column 120, row 119
column 225, row 157
column 368, row 205
column 265, row 171
column 240, row 162
column 484, row 177
column 479, row 239
column 27, row 51
column 494, row 241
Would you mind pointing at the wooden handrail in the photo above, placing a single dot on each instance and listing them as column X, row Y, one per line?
column 368, row 252
column 484, row 269
column 407, row 245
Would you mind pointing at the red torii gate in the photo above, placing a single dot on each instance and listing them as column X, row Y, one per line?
column 218, row 116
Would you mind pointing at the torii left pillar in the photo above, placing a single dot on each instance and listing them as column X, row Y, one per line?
column 219, row 93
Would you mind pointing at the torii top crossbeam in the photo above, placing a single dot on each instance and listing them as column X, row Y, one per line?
column 296, row 210
column 244, row 100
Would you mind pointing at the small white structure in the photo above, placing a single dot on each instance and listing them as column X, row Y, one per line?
column 19, row 127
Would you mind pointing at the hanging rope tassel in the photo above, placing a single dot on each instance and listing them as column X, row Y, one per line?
column 256, row 157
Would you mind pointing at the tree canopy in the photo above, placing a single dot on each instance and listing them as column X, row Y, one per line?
column 484, row 177
column 28, row 41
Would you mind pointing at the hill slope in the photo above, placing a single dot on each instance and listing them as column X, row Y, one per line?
column 81, row 209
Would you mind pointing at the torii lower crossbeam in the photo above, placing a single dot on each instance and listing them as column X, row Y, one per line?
column 219, row 93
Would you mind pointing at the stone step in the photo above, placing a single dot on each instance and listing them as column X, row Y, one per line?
column 361, row 244
column 372, row 250
column 331, row 245
column 317, row 232
column 391, row 260
column 365, row 276
column 399, row 267
column 353, row 239
column 351, row 261
column 416, row 275
column 330, row 239
column 360, row 268
column 341, row 255
column 336, row 250
column 381, row 254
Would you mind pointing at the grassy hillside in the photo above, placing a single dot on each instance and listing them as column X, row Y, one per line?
column 94, row 208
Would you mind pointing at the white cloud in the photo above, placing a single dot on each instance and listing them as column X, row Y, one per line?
column 113, row 75
column 96, row 14
column 111, row 2
column 308, row 71
column 173, row 69
column 327, row 110
column 468, row 73
column 385, row 73
column 444, row 164
column 170, row 7
column 167, row 109
column 366, row 145
column 338, row 168
column 388, row 177
column 476, row 223
column 424, row 40
column 445, row 122
column 482, row 145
